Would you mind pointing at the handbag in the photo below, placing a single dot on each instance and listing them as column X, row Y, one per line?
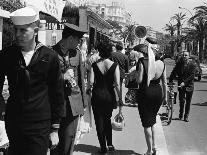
column 118, row 122
column 130, row 97
column 131, row 80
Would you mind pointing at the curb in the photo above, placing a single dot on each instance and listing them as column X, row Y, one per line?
column 162, row 145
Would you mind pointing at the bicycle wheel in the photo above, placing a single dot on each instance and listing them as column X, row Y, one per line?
column 170, row 111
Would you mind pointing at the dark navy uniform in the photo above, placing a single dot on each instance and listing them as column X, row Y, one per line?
column 75, row 98
column 36, row 98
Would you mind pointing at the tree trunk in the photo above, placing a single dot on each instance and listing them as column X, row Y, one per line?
column 178, row 38
column 201, row 49
column 205, row 47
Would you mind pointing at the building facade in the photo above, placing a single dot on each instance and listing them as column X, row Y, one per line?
column 114, row 11
column 3, row 14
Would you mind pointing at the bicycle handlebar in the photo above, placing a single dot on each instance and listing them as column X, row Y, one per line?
column 172, row 85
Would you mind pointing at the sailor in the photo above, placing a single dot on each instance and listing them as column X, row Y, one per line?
column 36, row 103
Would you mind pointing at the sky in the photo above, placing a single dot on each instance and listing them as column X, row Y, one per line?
column 157, row 13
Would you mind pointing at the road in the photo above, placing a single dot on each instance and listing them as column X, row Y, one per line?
column 190, row 138
column 179, row 138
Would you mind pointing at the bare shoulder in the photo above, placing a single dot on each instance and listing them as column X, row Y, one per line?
column 108, row 61
column 159, row 68
column 159, row 64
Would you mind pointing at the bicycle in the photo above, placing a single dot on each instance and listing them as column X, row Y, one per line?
column 171, row 100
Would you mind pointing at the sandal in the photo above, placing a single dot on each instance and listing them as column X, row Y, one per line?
column 147, row 153
column 155, row 151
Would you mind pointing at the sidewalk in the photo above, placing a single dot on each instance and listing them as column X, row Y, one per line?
column 130, row 141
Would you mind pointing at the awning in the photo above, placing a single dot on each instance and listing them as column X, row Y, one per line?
column 53, row 8
column 4, row 14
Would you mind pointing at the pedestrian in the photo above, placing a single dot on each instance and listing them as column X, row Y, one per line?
column 150, row 94
column 185, row 72
column 36, row 102
column 75, row 96
column 104, row 76
column 122, row 60
column 130, row 80
column 113, row 47
column 128, row 50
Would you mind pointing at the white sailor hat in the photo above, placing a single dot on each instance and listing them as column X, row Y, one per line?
column 24, row 16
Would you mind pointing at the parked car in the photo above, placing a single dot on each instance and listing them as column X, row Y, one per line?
column 198, row 73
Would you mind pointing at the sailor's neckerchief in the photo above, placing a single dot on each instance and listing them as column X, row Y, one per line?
column 22, row 70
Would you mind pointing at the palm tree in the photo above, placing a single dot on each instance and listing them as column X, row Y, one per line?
column 128, row 34
column 179, row 17
column 125, row 33
column 198, row 22
column 170, row 28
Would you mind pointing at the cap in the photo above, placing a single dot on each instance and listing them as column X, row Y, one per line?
column 24, row 16
column 75, row 28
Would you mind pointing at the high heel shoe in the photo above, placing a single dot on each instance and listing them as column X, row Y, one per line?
column 148, row 153
column 154, row 150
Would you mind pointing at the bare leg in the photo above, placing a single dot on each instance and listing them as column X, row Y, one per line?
column 154, row 136
column 148, row 137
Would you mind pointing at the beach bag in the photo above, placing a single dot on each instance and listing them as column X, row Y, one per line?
column 118, row 122
column 131, row 80
column 130, row 97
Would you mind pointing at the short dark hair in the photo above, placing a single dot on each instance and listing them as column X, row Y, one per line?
column 141, row 48
column 151, row 40
column 69, row 32
column 119, row 46
column 104, row 49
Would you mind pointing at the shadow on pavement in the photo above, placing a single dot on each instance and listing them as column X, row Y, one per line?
column 176, row 119
column 93, row 150
column 200, row 104
column 200, row 90
column 200, row 81
column 205, row 77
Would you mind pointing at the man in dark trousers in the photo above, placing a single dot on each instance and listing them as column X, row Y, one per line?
column 75, row 96
column 185, row 70
column 36, row 103
column 122, row 60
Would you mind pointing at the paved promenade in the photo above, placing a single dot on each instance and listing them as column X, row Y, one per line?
column 130, row 141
